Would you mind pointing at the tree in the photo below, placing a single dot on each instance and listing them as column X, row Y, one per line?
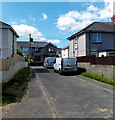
column 19, row 52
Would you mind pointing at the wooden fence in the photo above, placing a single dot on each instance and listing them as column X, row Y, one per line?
column 109, row 60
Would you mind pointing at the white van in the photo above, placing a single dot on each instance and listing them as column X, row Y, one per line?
column 65, row 65
column 49, row 62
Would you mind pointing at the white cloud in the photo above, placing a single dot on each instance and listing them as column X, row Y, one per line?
column 92, row 8
column 24, row 31
column 23, row 20
column 107, row 11
column 31, row 17
column 54, row 41
column 45, row 17
column 42, row 38
column 65, row 23
column 75, row 20
column 14, row 22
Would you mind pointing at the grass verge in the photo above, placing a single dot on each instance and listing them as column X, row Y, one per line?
column 100, row 78
column 16, row 88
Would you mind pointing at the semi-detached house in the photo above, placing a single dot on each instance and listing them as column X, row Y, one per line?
column 97, row 39
column 8, row 42
column 37, row 50
column 10, row 61
column 65, row 52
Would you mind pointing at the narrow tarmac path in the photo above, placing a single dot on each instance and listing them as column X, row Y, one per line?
column 71, row 96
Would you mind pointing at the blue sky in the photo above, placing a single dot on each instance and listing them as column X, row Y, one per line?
column 51, row 21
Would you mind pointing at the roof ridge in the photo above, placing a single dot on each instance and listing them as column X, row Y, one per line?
column 87, row 27
column 33, row 41
column 9, row 27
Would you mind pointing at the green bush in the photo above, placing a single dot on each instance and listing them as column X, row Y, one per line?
column 22, row 76
column 8, row 98
column 19, row 52
column 100, row 78
column 18, row 84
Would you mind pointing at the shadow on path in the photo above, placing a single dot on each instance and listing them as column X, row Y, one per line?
column 38, row 70
column 78, row 72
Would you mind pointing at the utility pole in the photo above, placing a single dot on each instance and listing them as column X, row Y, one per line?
column 31, row 40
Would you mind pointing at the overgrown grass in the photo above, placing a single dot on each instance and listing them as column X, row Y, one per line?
column 16, row 88
column 100, row 78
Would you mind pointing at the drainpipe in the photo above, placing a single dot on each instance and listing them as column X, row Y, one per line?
column 89, row 42
column 73, row 49
column 30, row 44
column 113, row 23
column 13, row 45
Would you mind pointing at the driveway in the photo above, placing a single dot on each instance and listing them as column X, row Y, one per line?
column 57, row 96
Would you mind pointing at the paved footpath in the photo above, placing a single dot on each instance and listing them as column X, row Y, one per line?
column 54, row 96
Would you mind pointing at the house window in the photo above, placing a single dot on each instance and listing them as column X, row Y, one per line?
column 96, row 37
column 25, row 49
column 38, row 50
column 51, row 50
column 111, row 54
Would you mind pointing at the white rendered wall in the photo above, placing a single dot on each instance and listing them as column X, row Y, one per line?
column 6, row 43
column 6, row 75
column 82, row 45
column 65, row 53
column 71, row 48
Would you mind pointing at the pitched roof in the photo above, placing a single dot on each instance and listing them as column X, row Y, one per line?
column 33, row 44
column 66, row 47
column 7, row 26
column 106, row 27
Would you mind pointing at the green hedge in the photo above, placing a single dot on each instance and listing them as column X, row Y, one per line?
column 15, row 88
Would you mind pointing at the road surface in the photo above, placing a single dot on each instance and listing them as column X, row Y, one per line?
column 62, row 96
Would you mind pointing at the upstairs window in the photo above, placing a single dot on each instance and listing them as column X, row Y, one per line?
column 51, row 50
column 38, row 50
column 96, row 37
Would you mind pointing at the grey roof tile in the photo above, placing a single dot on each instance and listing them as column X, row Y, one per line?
column 7, row 26
column 96, row 27
column 33, row 44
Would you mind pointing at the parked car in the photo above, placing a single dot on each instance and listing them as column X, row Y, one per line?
column 49, row 62
column 65, row 65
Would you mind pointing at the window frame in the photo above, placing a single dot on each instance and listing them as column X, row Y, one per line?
column 97, row 38
column 24, row 49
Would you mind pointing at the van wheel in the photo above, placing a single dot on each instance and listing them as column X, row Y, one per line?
column 45, row 67
column 54, row 70
column 60, row 72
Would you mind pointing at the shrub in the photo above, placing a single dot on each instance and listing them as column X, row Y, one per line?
column 16, row 87
column 19, row 52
